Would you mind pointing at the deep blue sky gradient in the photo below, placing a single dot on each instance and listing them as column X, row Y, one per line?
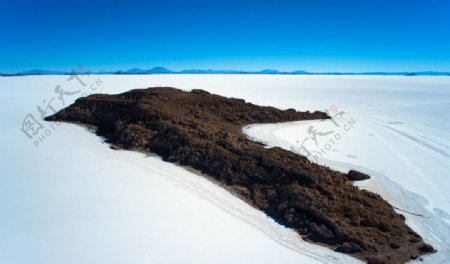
column 320, row 35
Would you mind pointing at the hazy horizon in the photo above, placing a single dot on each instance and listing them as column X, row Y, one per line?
column 148, row 70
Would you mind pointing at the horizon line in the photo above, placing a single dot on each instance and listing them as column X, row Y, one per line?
column 163, row 70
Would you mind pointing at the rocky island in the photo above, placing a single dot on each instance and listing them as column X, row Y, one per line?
column 204, row 132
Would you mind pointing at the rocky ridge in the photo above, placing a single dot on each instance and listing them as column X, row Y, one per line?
column 204, row 131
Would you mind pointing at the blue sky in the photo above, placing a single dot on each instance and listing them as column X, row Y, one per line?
column 320, row 35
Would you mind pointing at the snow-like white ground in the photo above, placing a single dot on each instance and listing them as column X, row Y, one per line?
column 65, row 197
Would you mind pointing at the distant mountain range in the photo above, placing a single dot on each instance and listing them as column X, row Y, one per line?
column 162, row 70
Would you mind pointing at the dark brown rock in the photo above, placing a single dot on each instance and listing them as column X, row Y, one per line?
column 426, row 248
column 394, row 245
column 385, row 227
column 325, row 232
column 313, row 228
column 353, row 175
column 375, row 261
column 414, row 239
column 349, row 248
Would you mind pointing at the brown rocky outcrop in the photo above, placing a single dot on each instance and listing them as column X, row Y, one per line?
column 204, row 132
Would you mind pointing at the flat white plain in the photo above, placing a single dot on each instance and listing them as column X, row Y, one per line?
column 74, row 200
